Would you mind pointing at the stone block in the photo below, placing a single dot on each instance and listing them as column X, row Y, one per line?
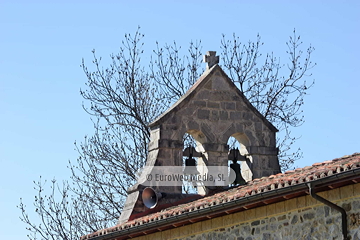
column 203, row 114
column 169, row 127
column 204, row 94
column 207, row 131
column 208, row 85
column 172, row 144
column 215, row 147
column 356, row 204
column 218, row 83
column 346, row 206
column 273, row 161
column 266, row 236
column 220, row 96
column 259, row 150
column 165, row 153
column 309, row 216
column 326, row 211
column 173, row 120
column 294, row 219
column 246, row 229
column 230, row 130
column 235, row 98
column 199, row 103
column 235, row 116
column 189, row 112
column 250, row 136
column 240, row 106
column 224, row 115
column 214, row 116
column 211, row 104
column 229, row 105
column 259, row 127
column 256, row 173
column 255, row 223
column 192, row 125
column 239, row 128
column 247, row 116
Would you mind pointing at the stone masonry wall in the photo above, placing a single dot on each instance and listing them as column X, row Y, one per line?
column 215, row 111
column 299, row 218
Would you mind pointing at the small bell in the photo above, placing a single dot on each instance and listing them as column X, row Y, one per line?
column 239, row 180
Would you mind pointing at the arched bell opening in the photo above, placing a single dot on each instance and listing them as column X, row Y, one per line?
column 192, row 158
column 239, row 159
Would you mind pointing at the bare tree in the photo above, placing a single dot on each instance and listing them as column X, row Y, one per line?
column 126, row 96
column 276, row 90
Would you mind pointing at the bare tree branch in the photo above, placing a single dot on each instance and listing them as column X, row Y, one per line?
column 126, row 96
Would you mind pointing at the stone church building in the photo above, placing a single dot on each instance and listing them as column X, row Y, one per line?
column 321, row 201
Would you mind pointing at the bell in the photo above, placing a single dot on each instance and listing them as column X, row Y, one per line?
column 239, row 180
column 190, row 166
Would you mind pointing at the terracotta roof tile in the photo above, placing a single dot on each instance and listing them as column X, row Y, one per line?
column 257, row 186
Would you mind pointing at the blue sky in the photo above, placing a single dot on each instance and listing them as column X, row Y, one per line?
column 42, row 44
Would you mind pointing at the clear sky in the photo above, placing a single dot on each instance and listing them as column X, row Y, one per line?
column 42, row 44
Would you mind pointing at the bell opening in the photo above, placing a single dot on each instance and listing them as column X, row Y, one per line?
column 190, row 162
column 235, row 160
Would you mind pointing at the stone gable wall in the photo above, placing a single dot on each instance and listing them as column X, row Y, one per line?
column 217, row 111
column 212, row 111
column 298, row 218
column 212, row 114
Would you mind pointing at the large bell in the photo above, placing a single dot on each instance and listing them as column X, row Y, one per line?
column 239, row 180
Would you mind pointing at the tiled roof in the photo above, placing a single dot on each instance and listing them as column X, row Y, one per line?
column 258, row 187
